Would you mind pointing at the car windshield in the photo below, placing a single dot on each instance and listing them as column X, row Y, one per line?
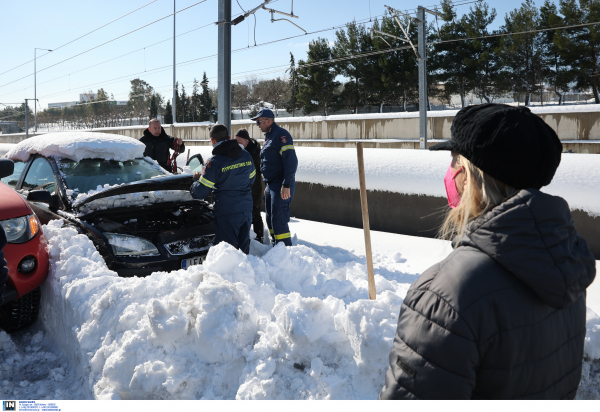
column 88, row 174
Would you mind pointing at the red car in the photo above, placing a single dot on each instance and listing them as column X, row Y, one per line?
column 26, row 253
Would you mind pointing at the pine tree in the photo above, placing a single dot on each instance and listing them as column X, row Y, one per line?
column 153, row 107
column 448, row 60
column 580, row 47
column 522, row 54
column 205, row 100
column 317, row 84
column 195, row 102
column 183, row 106
column 292, row 104
column 168, row 113
column 398, row 78
column 482, row 63
column 349, row 42
column 559, row 74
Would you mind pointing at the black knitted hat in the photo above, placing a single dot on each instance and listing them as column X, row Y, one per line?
column 509, row 143
column 243, row 133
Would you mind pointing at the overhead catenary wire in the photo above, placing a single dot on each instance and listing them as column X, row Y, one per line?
column 210, row 24
column 105, row 43
column 80, row 37
column 337, row 59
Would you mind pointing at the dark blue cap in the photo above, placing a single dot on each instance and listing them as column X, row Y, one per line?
column 264, row 113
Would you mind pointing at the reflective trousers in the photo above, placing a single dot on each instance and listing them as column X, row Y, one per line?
column 235, row 230
column 278, row 212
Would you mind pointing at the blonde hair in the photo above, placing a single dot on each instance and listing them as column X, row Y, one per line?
column 482, row 193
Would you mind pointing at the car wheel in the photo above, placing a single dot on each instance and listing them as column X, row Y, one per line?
column 20, row 313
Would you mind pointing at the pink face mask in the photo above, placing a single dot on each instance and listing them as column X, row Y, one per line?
column 451, row 192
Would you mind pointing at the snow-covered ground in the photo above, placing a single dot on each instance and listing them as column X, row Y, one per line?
column 294, row 323
column 282, row 323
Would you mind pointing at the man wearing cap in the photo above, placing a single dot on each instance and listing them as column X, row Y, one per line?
column 230, row 174
column 278, row 166
column 253, row 147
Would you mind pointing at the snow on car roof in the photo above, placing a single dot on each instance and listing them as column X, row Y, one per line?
column 78, row 145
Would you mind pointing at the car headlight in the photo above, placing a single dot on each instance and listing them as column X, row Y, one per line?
column 20, row 229
column 127, row 245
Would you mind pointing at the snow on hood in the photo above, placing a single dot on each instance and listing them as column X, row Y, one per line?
column 78, row 145
column 173, row 188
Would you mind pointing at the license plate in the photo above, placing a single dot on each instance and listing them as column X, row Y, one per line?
column 186, row 263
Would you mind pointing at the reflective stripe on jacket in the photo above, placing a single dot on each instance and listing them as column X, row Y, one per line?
column 230, row 174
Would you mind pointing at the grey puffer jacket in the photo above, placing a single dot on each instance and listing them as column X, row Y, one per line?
column 503, row 316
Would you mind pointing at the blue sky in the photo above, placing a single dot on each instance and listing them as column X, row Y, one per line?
column 51, row 24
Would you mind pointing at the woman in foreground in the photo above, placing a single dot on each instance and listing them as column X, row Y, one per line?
column 503, row 316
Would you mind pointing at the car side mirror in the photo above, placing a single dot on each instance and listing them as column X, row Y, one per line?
column 39, row 196
column 54, row 202
column 7, row 167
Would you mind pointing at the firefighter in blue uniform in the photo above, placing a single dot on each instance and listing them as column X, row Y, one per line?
column 278, row 164
column 229, row 173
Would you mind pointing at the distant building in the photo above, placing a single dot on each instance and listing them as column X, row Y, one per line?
column 61, row 105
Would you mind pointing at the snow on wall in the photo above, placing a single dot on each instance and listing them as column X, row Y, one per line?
column 581, row 108
column 78, row 145
column 421, row 172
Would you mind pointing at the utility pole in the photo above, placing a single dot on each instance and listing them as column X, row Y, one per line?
column 421, row 54
column 174, row 108
column 422, row 40
column 27, row 118
column 35, row 84
column 224, row 66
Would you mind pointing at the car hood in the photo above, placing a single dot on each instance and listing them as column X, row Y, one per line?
column 13, row 204
column 175, row 182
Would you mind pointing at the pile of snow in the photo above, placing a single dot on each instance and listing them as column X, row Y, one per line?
column 291, row 325
column 295, row 323
column 421, row 172
column 78, row 145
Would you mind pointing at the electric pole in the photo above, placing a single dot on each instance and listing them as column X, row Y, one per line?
column 174, row 108
column 27, row 118
column 421, row 54
column 422, row 40
column 224, row 67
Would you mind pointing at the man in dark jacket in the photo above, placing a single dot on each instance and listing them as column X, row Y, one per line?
column 253, row 147
column 158, row 144
column 278, row 164
column 504, row 315
column 230, row 174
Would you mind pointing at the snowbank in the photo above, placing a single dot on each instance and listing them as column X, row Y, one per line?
column 78, row 145
column 420, row 172
column 293, row 324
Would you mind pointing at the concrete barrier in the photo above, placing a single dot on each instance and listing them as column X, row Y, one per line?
column 577, row 126
column 398, row 213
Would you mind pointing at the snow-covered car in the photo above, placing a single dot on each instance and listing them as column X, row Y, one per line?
column 26, row 254
column 141, row 218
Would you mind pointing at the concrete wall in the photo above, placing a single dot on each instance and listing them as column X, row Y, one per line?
column 579, row 131
column 398, row 213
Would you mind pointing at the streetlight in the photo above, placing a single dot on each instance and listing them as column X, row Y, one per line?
column 35, row 85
